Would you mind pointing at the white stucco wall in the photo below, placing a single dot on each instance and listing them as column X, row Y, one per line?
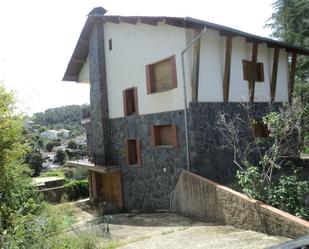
column 212, row 70
column 135, row 46
column 84, row 73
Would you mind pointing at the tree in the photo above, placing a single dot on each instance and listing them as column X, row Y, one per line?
column 258, row 159
column 72, row 145
column 60, row 157
column 35, row 161
column 49, row 146
column 18, row 197
column 289, row 23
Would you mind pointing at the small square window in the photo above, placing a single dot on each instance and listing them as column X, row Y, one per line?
column 130, row 104
column 161, row 76
column 110, row 44
column 163, row 135
column 247, row 71
column 259, row 128
column 133, row 152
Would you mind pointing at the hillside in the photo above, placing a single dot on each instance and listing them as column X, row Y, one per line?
column 65, row 117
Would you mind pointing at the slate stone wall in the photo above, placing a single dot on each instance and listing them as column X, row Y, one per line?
column 208, row 158
column 149, row 186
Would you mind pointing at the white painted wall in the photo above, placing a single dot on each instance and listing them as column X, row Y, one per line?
column 212, row 70
column 135, row 46
column 84, row 73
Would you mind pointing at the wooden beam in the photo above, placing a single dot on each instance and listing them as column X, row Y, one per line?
column 78, row 60
column 149, row 21
column 292, row 75
column 273, row 82
column 252, row 40
column 255, row 47
column 90, row 185
column 225, row 33
column 130, row 20
column 195, row 71
column 71, row 78
column 227, row 68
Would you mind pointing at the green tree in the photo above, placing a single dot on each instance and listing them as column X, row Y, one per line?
column 60, row 157
column 289, row 23
column 49, row 146
column 18, row 197
column 35, row 161
column 72, row 145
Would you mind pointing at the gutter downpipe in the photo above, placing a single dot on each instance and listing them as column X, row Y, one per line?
column 185, row 93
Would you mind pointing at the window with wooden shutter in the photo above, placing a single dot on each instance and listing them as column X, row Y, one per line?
column 259, row 128
column 133, row 152
column 247, row 71
column 163, row 135
column 130, row 103
column 161, row 76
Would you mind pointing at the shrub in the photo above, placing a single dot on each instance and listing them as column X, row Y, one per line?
column 60, row 157
column 54, row 172
column 76, row 189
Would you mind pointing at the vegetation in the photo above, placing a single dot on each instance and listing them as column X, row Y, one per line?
column 260, row 160
column 18, row 198
column 65, row 117
column 289, row 23
column 60, row 157
column 35, row 161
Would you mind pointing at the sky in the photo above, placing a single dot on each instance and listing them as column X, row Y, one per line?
column 38, row 38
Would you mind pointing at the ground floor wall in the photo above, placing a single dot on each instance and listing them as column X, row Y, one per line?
column 150, row 185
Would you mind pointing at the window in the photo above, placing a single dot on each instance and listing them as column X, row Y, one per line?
column 133, row 152
column 259, row 129
column 110, row 44
column 161, row 76
column 247, row 69
column 130, row 104
column 163, row 135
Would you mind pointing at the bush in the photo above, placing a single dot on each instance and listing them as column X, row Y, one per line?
column 49, row 146
column 76, row 189
column 35, row 161
column 72, row 145
column 60, row 157
column 54, row 172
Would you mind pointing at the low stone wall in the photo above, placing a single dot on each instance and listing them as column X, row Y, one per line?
column 208, row 201
column 53, row 194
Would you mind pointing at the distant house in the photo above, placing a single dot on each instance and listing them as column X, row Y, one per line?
column 64, row 133
column 50, row 134
column 155, row 82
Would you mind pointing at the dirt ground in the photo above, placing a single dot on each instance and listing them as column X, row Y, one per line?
column 164, row 230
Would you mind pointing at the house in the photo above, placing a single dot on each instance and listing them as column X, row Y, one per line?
column 50, row 134
column 154, row 83
column 64, row 133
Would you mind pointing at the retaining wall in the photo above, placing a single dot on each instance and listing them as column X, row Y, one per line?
column 208, row 201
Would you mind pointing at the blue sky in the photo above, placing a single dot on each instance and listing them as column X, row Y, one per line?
column 38, row 38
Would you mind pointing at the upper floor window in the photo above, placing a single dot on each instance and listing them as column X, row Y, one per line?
column 161, row 76
column 130, row 104
column 259, row 70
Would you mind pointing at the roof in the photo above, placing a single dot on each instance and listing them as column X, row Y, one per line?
column 80, row 53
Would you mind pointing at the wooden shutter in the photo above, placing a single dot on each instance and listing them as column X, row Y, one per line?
column 135, row 100
column 174, row 135
column 149, row 79
column 138, row 152
column 260, row 72
column 174, row 71
column 246, row 69
column 125, row 108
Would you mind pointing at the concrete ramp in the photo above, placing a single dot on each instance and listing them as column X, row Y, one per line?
column 207, row 201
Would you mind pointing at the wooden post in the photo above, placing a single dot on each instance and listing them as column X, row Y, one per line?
column 292, row 75
column 227, row 68
column 273, row 83
column 90, row 185
column 252, row 78
column 94, row 186
column 196, row 69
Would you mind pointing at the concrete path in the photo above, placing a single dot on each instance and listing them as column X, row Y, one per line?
column 204, row 235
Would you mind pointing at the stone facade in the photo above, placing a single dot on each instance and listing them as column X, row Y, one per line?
column 150, row 185
column 208, row 158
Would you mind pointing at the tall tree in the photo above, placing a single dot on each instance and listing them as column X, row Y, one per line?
column 290, row 23
column 17, row 194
